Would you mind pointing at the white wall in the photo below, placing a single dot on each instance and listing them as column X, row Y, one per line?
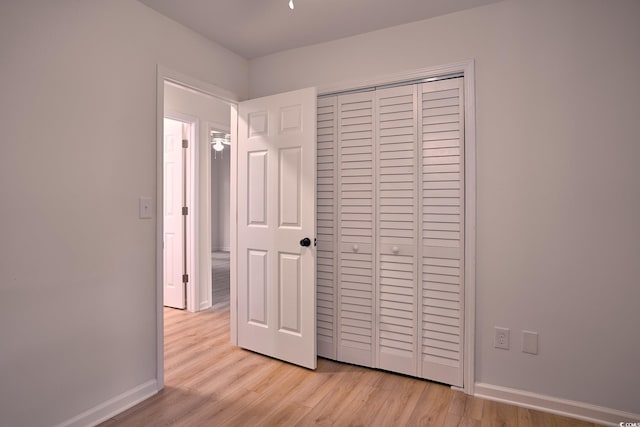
column 558, row 237
column 209, row 112
column 220, row 200
column 77, row 266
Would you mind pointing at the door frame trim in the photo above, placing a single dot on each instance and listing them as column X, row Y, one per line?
column 467, row 68
column 165, row 74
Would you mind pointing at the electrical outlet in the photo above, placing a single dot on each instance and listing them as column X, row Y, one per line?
column 501, row 338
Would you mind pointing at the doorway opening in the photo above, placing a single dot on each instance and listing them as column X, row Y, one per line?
column 196, row 186
column 196, row 197
column 220, row 141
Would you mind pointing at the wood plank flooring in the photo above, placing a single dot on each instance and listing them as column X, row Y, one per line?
column 209, row 382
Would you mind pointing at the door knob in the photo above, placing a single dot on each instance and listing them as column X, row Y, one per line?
column 305, row 242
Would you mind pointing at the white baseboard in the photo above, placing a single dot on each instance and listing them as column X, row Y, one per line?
column 568, row 408
column 114, row 406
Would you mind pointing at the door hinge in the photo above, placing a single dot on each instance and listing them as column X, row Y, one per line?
column 185, row 210
column 185, row 278
column 185, row 143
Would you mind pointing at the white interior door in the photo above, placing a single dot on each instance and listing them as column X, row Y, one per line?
column 173, row 227
column 276, row 286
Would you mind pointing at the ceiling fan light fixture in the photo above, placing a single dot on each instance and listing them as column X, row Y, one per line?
column 291, row 4
column 218, row 140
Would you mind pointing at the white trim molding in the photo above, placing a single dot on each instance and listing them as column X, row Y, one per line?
column 233, row 224
column 199, row 86
column 114, row 406
column 568, row 408
column 466, row 67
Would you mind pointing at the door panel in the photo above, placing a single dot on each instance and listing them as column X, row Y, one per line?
column 276, row 312
column 442, row 302
column 355, row 196
column 397, row 208
column 326, row 223
column 173, row 231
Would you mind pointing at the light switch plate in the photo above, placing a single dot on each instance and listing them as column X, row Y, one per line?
column 145, row 210
column 530, row 342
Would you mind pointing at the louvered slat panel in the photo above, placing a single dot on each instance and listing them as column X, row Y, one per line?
column 442, row 233
column 397, row 151
column 326, row 227
column 355, row 193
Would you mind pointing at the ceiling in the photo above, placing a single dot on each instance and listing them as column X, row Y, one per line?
column 254, row 28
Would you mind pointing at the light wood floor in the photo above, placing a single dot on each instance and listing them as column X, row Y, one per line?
column 209, row 382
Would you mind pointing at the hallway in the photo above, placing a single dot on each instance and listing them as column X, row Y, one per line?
column 220, row 279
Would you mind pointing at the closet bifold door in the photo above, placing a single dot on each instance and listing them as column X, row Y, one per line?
column 397, row 221
column 326, row 226
column 356, row 287
column 441, row 125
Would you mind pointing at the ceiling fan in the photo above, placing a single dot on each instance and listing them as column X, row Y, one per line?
column 219, row 139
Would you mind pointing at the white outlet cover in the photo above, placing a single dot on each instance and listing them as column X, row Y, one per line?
column 501, row 338
column 530, row 342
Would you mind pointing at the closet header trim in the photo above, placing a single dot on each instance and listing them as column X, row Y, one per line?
column 385, row 86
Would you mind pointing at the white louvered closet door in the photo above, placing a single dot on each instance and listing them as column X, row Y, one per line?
column 326, row 226
column 442, row 138
column 397, row 220
column 356, row 289
column 391, row 229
